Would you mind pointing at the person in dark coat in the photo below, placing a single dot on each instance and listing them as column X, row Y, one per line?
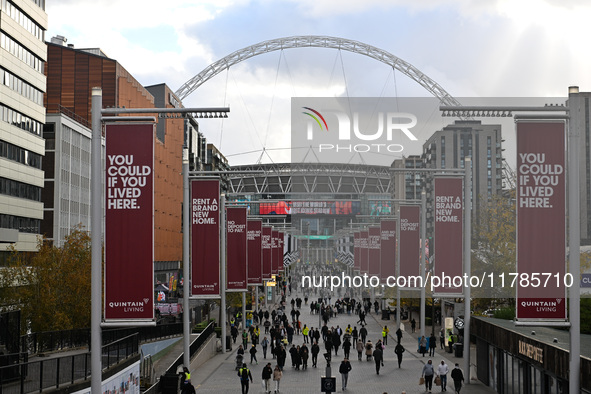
column 378, row 357
column 399, row 335
column 315, row 350
column 253, row 354
column 432, row 345
column 344, row 370
column 336, row 341
column 458, row 377
column 304, row 354
column 399, row 350
column 266, row 375
column 347, row 347
column 281, row 356
column 292, row 352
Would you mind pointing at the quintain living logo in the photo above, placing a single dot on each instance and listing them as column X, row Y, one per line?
column 349, row 132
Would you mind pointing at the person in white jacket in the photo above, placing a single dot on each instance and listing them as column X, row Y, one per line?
column 442, row 371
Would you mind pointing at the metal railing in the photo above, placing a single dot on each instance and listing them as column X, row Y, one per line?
column 39, row 375
column 51, row 341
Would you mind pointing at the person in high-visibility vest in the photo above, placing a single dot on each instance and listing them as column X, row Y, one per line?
column 245, row 378
column 305, row 332
column 385, row 332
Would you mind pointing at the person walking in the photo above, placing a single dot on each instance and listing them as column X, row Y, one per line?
column 368, row 350
column 277, row 375
column 245, row 378
column 265, row 344
column 442, row 338
column 266, row 375
column 423, row 345
column 385, row 332
column 359, row 348
column 428, row 373
column 399, row 334
column 442, row 370
column 315, row 350
column 363, row 334
column 281, row 356
column 347, row 347
column 344, row 370
column 378, row 357
column 432, row 344
column 253, row 354
column 413, row 324
column 458, row 377
column 399, row 350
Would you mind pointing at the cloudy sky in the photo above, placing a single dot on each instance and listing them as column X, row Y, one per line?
column 472, row 48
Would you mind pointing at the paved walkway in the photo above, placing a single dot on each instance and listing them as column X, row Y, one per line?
column 218, row 374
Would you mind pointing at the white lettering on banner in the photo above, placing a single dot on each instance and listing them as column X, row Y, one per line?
column 537, row 180
column 125, row 182
column 235, row 228
column 201, row 207
column 444, row 206
column 405, row 225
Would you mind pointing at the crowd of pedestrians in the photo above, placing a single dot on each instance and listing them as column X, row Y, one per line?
column 285, row 340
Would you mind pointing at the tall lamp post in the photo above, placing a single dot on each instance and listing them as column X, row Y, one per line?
column 97, row 218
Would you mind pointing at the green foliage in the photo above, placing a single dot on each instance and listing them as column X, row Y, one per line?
column 199, row 327
column 506, row 313
column 54, row 292
column 494, row 244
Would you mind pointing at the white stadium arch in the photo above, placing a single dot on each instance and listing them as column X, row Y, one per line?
column 317, row 42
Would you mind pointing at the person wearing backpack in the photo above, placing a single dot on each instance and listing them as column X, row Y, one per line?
column 245, row 378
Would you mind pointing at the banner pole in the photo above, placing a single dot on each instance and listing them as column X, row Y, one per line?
column 467, row 263
column 96, row 247
column 398, row 306
column 186, row 257
column 574, row 261
column 224, row 317
column 423, row 260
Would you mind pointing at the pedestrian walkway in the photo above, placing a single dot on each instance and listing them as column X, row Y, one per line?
column 219, row 374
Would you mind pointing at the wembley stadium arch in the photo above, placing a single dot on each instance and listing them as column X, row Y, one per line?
column 315, row 200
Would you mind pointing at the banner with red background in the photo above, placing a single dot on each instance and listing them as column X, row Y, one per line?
column 205, row 238
column 129, row 222
column 541, row 220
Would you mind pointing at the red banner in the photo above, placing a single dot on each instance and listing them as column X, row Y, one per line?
column 205, row 238
column 373, row 250
column 267, row 252
column 449, row 225
column 363, row 252
column 541, row 217
column 410, row 241
column 356, row 251
column 236, row 249
column 280, row 246
column 274, row 252
column 255, row 253
column 129, row 222
column 388, row 248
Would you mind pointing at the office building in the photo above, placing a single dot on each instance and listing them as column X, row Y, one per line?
column 23, row 54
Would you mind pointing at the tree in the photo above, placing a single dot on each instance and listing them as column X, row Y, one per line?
column 55, row 289
column 494, row 245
